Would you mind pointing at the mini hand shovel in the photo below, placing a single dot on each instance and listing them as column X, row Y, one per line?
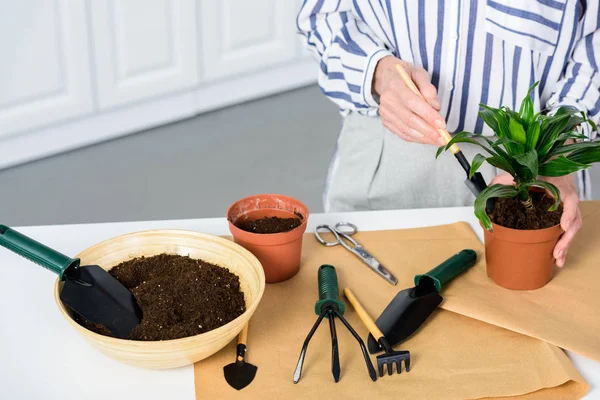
column 240, row 373
column 409, row 309
column 89, row 291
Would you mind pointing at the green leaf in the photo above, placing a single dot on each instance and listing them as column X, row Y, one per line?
column 586, row 155
column 561, row 166
column 533, row 134
column 478, row 160
column 563, row 137
column 509, row 160
column 549, row 187
column 502, row 142
column 495, row 145
column 503, row 164
column 570, row 148
column 589, row 121
column 502, row 119
column 517, row 133
column 560, row 141
column 526, row 111
column 494, row 191
column 564, row 120
column 488, row 116
column 550, row 132
column 540, row 114
column 530, row 161
column 440, row 150
column 512, row 115
column 567, row 110
column 466, row 137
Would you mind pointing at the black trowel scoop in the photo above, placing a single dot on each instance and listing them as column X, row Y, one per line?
column 477, row 183
column 89, row 290
column 409, row 309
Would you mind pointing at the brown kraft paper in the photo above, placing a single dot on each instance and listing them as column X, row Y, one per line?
column 453, row 356
column 565, row 312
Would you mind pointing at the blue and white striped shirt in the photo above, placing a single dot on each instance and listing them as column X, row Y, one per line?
column 476, row 51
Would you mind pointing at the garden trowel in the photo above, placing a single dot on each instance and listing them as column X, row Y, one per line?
column 407, row 311
column 240, row 373
column 89, row 291
column 476, row 183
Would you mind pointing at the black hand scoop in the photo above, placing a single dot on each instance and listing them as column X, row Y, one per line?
column 411, row 307
column 89, row 291
column 240, row 373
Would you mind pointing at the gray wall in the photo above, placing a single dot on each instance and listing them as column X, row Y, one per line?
column 190, row 169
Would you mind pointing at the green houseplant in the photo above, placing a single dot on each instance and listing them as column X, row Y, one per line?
column 528, row 146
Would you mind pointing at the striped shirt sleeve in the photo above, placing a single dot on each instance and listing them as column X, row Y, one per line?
column 347, row 51
column 580, row 85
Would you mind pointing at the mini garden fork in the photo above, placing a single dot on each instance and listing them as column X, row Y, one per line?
column 329, row 306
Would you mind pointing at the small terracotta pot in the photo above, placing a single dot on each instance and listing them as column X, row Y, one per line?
column 279, row 253
column 520, row 259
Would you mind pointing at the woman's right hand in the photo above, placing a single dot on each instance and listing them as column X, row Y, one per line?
column 403, row 112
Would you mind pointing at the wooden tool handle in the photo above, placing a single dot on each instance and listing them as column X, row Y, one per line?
column 362, row 313
column 411, row 85
column 243, row 336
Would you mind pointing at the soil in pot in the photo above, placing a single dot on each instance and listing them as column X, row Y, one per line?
column 268, row 225
column 179, row 296
column 510, row 213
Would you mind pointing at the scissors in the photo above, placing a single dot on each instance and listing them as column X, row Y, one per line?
column 343, row 232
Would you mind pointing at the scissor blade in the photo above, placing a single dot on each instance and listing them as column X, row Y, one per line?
column 377, row 267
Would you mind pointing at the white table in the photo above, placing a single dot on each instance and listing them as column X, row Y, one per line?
column 40, row 354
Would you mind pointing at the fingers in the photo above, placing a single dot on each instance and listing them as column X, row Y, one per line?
column 404, row 123
column 421, row 78
column 409, row 115
column 418, row 124
column 502, row 179
column 396, row 125
column 570, row 210
column 420, row 107
column 562, row 247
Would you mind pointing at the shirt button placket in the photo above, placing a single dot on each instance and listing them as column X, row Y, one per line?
column 454, row 61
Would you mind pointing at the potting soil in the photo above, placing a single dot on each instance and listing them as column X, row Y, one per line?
column 179, row 296
column 510, row 213
column 270, row 225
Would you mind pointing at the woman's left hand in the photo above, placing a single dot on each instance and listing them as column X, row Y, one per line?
column 570, row 221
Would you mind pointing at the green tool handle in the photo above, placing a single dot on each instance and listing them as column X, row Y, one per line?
column 328, row 289
column 35, row 251
column 450, row 269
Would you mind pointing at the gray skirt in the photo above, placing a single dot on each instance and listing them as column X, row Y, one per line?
column 373, row 169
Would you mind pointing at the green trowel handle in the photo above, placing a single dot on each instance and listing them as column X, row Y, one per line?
column 328, row 289
column 450, row 269
column 35, row 251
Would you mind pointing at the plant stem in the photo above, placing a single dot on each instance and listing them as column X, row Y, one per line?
column 525, row 199
column 528, row 204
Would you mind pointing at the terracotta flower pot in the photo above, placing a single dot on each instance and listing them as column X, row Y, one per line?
column 520, row 259
column 279, row 253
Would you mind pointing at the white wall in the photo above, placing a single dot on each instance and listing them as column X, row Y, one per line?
column 76, row 72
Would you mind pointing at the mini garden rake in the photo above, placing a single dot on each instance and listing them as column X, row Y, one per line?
column 390, row 357
column 329, row 306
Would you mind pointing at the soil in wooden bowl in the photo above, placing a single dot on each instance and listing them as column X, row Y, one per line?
column 179, row 296
column 510, row 213
column 270, row 225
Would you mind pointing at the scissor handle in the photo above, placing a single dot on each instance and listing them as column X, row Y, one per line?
column 339, row 234
column 323, row 241
column 353, row 229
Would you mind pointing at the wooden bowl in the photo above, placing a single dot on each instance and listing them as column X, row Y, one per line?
column 177, row 352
